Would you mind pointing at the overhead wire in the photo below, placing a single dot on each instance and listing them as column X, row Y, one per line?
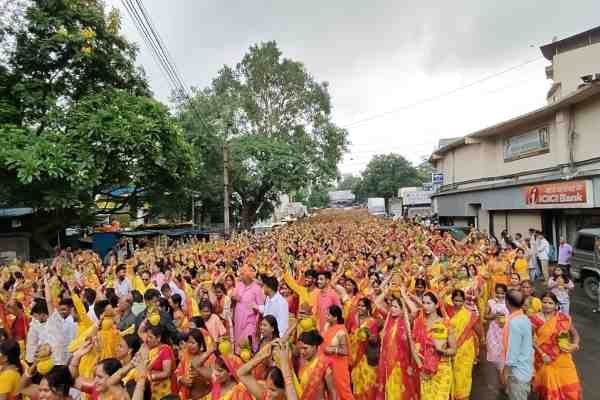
column 143, row 23
column 162, row 47
column 386, row 148
column 441, row 95
column 146, row 37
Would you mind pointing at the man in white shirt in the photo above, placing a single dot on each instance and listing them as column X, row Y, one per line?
column 52, row 327
column 122, row 285
column 37, row 333
column 543, row 253
column 67, row 326
column 275, row 304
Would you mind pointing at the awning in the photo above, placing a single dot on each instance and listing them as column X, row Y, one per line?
column 15, row 212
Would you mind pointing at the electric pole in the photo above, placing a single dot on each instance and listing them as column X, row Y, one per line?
column 226, row 187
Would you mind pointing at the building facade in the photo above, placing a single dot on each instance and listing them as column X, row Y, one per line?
column 539, row 170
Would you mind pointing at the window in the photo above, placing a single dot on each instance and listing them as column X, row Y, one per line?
column 527, row 144
column 585, row 243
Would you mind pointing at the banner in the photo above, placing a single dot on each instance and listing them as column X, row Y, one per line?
column 572, row 194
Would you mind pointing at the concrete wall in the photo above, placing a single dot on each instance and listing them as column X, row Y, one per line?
column 13, row 246
column 569, row 66
column 468, row 162
column 587, row 127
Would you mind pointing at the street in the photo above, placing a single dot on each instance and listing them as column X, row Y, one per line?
column 485, row 384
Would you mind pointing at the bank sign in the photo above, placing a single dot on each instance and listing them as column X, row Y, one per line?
column 571, row 194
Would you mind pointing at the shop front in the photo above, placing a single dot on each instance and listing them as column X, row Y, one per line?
column 558, row 208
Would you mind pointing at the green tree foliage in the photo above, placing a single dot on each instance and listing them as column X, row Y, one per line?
column 76, row 119
column 319, row 196
column 385, row 174
column 276, row 121
column 349, row 182
column 425, row 169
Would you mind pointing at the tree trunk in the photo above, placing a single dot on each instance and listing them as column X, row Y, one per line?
column 46, row 226
column 248, row 216
column 41, row 235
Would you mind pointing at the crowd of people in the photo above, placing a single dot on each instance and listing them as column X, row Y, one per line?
column 340, row 306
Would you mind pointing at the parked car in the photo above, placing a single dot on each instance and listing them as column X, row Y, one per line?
column 585, row 263
column 457, row 232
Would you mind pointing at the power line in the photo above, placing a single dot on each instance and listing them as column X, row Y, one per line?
column 432, row 144
column 144, row 32
column 162, row 48
column 141, row 19
column 443, row 94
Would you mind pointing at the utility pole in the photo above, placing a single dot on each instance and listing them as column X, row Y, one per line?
column 226, row 187
column 193, row 210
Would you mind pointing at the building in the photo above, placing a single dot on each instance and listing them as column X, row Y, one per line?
column 538, row 170
column 16, row 226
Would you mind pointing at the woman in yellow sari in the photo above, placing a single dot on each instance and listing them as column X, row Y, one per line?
column 498, row 268
column 363, row 333
column 480, row 271
column 191, row 385
column 435, row 345
column 467, row 329
column 531, row 305
column 223, row 375
column 314, row 376
column 348, row 291
column 555, row 339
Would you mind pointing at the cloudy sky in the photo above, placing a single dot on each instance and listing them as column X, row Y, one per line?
column 393, row 65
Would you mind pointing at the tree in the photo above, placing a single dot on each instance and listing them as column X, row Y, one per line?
column 275, row 119
column 349, row 182
column 319, row 196
column 425, row 169
column 385, row 174
column 76, row 119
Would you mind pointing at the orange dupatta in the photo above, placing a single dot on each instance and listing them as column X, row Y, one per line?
column 181, row 371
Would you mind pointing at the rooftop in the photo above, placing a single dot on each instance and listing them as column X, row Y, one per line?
column 578, row 96
column 578, row 40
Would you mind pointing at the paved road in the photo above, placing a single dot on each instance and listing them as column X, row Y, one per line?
column 588, row 324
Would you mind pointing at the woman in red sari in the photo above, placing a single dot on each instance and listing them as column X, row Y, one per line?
column 555, row 339
column 363, row 332
column 335, row 347
column 397, row 374
column 161, row 364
